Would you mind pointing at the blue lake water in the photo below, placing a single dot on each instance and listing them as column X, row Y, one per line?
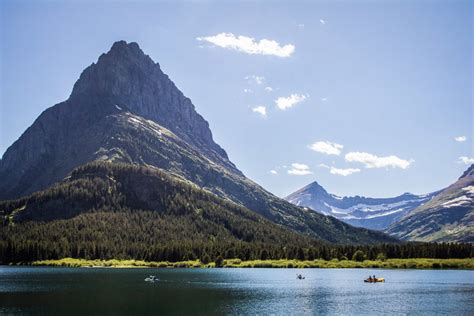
column 64, row 291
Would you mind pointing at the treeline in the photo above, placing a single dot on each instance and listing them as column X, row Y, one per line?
column 146, row 236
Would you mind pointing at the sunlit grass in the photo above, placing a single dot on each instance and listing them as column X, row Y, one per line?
column 420, row 263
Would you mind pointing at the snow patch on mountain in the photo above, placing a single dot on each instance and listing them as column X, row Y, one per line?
column 461, row 200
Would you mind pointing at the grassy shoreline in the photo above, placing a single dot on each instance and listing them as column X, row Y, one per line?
column 419, row 263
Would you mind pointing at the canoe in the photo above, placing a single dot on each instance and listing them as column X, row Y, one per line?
column 374, row 281
column 151, row 278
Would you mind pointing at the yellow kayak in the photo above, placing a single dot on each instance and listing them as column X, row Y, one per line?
column 371, row 280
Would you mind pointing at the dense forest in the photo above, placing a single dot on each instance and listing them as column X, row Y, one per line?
column 106, row 211
column 154, row 237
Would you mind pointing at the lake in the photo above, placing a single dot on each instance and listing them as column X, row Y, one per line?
column 41, row 290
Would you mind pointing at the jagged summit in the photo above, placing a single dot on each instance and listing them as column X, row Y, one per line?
column 314, row 185
column 123, row 58
column 315, row 188
column 127, row 77
column 124, row 49
column 124, row 46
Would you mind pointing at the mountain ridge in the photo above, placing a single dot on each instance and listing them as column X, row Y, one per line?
column 448, row 217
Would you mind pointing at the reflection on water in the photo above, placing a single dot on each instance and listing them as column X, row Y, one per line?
column 25, row 290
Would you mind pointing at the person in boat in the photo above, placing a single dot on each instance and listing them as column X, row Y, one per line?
column 375, row 279
column 370, row 278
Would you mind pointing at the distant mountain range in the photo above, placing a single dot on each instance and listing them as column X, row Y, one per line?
column 373, row 213
column 125, row 110
column 445, row 215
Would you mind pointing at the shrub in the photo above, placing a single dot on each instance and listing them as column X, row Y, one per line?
column 359, row 256
column 219, row 262
column 205, row 259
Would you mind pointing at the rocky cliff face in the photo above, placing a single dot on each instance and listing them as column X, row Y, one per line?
column 129, row 79
column 448, row 217
column 125, row 109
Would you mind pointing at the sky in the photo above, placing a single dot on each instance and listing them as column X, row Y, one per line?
column 364, row 97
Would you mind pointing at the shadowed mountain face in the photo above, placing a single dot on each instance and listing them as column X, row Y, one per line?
column 124, row 80
column 128, row 79
column 372, row 213
column 125, row 109
column 449, row 216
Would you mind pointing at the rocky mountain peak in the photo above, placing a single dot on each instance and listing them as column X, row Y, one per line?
column 130, row 79
column 315, row 187
column 114, row 69
column 124, row 46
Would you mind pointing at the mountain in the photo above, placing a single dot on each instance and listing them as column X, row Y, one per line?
column 449, row 216
column 124, row 109
column 372, row 213
column 125, row 89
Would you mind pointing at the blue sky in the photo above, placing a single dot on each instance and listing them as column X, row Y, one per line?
column 390, row 81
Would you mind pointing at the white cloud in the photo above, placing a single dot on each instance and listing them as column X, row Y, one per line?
column 248, row 90
column 273, row 172
column 268, row 89
column 249, row 45
column 460, row 138
column 340, row 172
column 284, row 103
column 255, row 78
column 343, row 172
column 260, row 109
column 327, row 148
column 301, row 26
column 324, row 99
column 372, row 161
column 466, row 160
column 299, row 169
column 323, row 22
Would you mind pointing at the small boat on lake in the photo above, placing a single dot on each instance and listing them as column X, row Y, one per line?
column 151, row 278
column 374, row 280
column 300, row 277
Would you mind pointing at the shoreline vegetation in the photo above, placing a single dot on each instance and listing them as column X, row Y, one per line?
column 417, row 263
